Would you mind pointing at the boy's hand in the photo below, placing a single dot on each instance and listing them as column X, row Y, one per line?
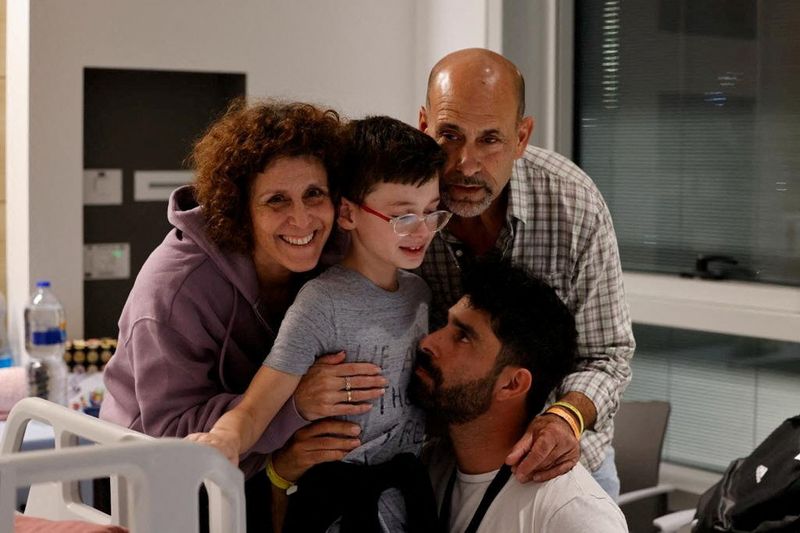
column 226, row 443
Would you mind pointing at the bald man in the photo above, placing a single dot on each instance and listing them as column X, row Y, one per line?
column 540, row 210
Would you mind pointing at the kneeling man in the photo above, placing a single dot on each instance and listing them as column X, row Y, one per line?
column 508, row 342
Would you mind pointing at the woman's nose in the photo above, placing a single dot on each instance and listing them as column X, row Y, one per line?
column 300, row 215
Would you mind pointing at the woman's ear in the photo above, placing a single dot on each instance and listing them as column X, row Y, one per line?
column 513, row 382
column 346, row 217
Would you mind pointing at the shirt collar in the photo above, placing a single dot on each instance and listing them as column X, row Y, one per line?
column 519, row 194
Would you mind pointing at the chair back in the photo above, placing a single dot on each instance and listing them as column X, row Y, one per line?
column 639, row 429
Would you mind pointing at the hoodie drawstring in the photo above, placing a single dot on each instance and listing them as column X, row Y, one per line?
column 224, row 348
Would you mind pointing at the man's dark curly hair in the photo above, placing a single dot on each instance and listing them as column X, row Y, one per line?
column 534, row 326
column 385, row 150
column 241, row 143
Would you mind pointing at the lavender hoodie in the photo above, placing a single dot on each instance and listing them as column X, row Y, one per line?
column 191, row 337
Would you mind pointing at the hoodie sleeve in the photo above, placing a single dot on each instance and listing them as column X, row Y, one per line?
column 176, row 390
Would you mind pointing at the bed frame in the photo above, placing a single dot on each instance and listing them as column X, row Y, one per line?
column 154, row 482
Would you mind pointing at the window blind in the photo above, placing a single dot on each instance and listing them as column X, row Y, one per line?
column 687, row 117
column 688, row 120
column 727, row 393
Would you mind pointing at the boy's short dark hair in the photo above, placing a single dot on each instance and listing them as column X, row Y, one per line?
column 535, row 327
column 385, row 150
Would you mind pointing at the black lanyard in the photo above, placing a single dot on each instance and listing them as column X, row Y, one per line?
column 494, row 488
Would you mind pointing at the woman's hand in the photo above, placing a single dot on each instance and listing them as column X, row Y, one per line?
column 320, row 442
column 326, row 440
column 334, row 388
column 226, row 443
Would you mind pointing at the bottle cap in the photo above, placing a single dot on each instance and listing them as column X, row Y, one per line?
column 43, row 283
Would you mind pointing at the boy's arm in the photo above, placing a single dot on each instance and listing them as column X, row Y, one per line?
column 301, row 337
column 238, row 429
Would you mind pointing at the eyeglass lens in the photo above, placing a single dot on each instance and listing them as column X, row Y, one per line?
column 408, row 224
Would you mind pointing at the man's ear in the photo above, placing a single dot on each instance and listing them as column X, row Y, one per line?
column 423, row 119
column 524, row 132
column 346, row 220
column 514, row 381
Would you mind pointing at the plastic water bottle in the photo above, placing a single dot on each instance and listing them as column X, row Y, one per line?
column 6, row 358
column 45, row 336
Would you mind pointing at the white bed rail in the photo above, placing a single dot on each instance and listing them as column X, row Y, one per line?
column 154, row 482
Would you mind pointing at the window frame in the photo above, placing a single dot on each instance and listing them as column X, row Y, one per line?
column 763, row 310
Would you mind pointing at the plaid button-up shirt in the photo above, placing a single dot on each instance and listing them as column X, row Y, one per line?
column 558, row 227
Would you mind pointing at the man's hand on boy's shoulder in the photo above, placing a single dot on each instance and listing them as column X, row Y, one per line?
column 547, row 450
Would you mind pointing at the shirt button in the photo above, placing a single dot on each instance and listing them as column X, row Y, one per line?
column 459, row 253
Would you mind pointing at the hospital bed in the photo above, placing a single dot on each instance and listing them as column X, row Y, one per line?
column 154, row 482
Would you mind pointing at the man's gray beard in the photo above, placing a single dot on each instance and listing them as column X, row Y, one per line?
column 466, row 209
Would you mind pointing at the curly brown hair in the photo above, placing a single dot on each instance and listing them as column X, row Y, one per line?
column 241, row 143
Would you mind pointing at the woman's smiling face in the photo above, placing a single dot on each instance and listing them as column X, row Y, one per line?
column 292, row 215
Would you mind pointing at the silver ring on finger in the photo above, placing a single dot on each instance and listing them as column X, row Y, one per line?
column 349, row 396
column 347, row 386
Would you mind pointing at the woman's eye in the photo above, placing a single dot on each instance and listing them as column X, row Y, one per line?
column 315, row 193
column 276, row 200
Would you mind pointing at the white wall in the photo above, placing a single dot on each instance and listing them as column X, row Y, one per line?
column 360, row 56
column 444, row 26
column 538, row 37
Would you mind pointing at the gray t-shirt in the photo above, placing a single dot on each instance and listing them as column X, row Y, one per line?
column 343, row 310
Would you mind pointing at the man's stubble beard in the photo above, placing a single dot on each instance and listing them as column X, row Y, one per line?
column 466, row 209
column 457, row 404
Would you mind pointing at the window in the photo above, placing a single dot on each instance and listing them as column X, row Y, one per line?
column 687, row 117
column 688, row 120
column 727, row 393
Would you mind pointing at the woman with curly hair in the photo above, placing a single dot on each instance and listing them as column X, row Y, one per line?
column 207, row 303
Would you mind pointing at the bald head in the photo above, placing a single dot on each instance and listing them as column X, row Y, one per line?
column 477, row 65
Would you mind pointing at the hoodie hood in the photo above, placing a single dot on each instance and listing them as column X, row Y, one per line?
column 186, row 215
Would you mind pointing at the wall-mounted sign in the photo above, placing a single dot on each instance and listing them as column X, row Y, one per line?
column 157, row 185
column 102, row 186
column 107, row 261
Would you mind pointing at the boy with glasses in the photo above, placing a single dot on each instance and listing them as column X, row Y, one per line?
column 375, row 311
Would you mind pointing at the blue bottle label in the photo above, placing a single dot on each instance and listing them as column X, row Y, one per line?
column 48, row 337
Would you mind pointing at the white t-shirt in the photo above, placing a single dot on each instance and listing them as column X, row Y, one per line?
column 572, row 503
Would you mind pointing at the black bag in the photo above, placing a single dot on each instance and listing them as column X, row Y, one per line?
column 760, row 492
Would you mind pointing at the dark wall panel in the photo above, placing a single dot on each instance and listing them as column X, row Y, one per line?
column 140, row 120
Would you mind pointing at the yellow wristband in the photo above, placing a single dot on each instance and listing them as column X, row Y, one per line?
column 575, row 411
column 275, row 478
column 567, row 417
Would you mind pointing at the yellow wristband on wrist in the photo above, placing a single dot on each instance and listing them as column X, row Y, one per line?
column 275, row 478
column 565, row 415
column 575, row 411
